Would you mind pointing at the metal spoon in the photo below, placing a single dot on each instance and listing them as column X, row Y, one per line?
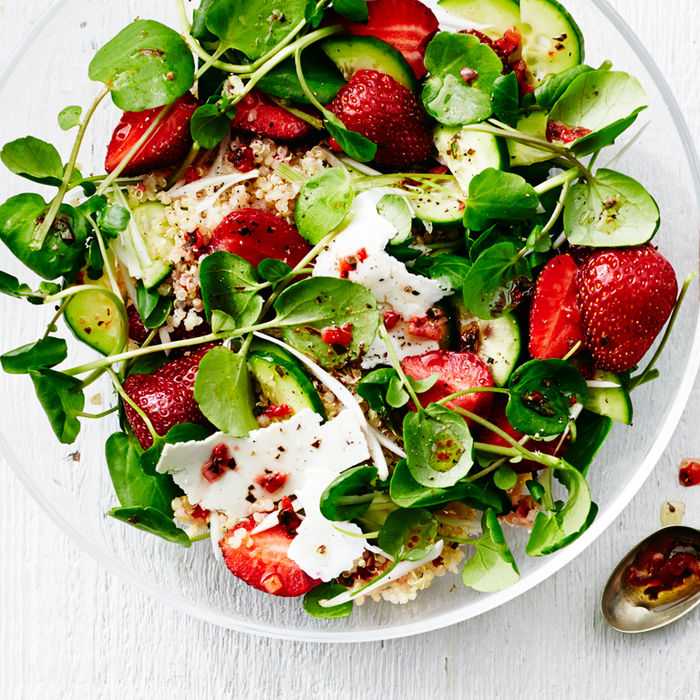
column 629, row 608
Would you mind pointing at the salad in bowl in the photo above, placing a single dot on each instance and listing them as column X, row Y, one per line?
column 365, row 298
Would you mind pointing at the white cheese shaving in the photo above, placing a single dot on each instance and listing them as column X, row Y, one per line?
column 292, row 447
column 386, row 277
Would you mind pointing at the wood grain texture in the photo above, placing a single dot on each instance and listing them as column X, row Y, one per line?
column 70, row 629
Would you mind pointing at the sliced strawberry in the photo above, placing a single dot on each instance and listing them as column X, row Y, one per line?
column 458, row 371
column 626, row 296
column 261, row 560
column 431, row 326
column 166, row 396
column 166, row 146
column 256, row 114
column 555, row 320
column 137, row 331
column 408, row 25
column 255, row 234
column 384, row 111
column 498, row 417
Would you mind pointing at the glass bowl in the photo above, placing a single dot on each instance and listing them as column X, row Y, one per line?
column 74, row 489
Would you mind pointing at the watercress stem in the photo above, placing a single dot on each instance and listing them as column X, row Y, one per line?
column 465, row 392
column 563, row 179
column 41, row 231
column 103, row 252
column 127, row 399
column 396, row 363
column 104, row 414
column 55, row 317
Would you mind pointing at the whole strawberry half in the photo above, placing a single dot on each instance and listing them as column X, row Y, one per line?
column 256, row 114
column 384, row 111
column 261, row 560
column 408, row 25
column 167, row 145
column 458, row 371
column 166, row 396
column 555, row 320
column 255, row 235
column 626, row 296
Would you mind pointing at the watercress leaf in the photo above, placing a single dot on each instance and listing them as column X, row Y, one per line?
column 33, row 159
column 308, row 308
column 355, row 10
column 273, row 270
column 63, row 251
column 438, row 446
column 323, row 592
column 69, row 117
column 373, row 386
column 152, row 307
column 394, row 208
column 253, row 27
column 209, row 126
column 498, row 196
column 113, row 219
column 462, row 75
column 445, row 266
column 182, row 432
column 62, row 399
column 146, row 65
column 354, row 144
column 323, row 204
column 405, row 252
column 422, row 385
column 603, row 102
column 11, row 286
column 536, row 489
column 506, row 98
column 349, row 495
column 542, row 393
column 40, row 354
column 554, row 87
column 612, row 210
column 396, row 395
column 591, row 432
column 154, row 521
column 226, row 280
column 497, row 282
column 408, row 534
column 223, row 391
column 505, row 478
column 493, row 567
column 133, row 486
column 321, row 74
column 552, row 531
column 199, row 22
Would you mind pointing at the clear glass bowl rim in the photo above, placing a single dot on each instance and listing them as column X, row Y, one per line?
column 554, row 562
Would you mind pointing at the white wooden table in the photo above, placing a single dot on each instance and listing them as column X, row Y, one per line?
column 70, row 629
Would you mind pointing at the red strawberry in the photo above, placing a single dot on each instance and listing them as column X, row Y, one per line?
column 408, row 25
column 555, row 320
column 167, row 145
column 626, row 296
column 458, row 371
column 137, row 331
column 258, row 115
column 261, row 560
column 166, row 396
column 375, row 105
column 255, row 234
column 498, row 418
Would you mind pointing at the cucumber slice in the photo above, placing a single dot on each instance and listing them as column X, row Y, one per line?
column 95, row 320
column 467, row 153
column 151, row 222
column 284, row 382
column 439, row 206
column 351, row 54
column 495, row 16
column 552, row 42
column 534, row 124
column 613, row 401
column 495, row 341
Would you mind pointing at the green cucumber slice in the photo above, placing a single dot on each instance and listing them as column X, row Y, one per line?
column 613, row 401
column 496, row 341
column 283, row 381
column 494, row 15
column 95, row 320
column 467, row 153
column 151, row 221
column 351, row 54
column 534, row 124
column 552, row 42
column 440, row 207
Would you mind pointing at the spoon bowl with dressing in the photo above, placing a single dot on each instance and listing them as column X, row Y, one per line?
column 655, row 583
